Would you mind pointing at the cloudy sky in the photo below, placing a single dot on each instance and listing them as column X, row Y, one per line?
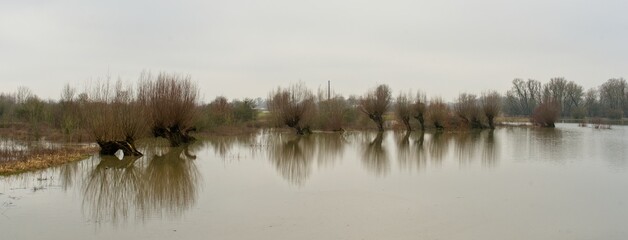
column 244, row 48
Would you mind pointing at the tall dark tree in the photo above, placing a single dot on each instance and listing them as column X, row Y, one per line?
column 490, row 102
column 523, row 97
column 403, row 110
column 375, row 103
column 419, row 108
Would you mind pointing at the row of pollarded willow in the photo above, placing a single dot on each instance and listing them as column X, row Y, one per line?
column 472, row 111
column 116, row 115
column 297, row 107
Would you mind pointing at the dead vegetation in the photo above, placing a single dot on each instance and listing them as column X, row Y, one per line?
column 113, row 117
column 419, row 108
column 438, row 113
column 468, row 110
column 17, row 159
column 546, row 114
column 403, row 110
column 375, row 104
column 490, row 103
column 293, row 107
column 170, row 102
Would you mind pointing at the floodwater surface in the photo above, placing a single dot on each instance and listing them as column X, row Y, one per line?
column 510, row 183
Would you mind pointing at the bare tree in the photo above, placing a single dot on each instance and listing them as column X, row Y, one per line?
column 468, row 110
column 403, row 110
column 555, row 90
column 113, row 117
column 491, row 106
column 23, row 94
column 419, row 107
column 221, row 111
column 438, row 112
column 573, row 102
column 546, row 114
column 592, row 103
column 293, row 107
column 331, row 111
column 613, row 97
column 375, row 103
column 171, row 102
column 524, row 96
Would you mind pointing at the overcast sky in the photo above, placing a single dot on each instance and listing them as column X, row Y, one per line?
column 242, row 48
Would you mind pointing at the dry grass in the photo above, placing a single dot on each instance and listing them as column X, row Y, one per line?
column 23, row 161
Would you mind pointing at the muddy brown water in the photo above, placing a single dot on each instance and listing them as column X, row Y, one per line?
column 510, row 183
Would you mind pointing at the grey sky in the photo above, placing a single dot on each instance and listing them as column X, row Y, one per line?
column 242, row 48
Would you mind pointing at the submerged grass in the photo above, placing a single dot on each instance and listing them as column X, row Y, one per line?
column 16, row 160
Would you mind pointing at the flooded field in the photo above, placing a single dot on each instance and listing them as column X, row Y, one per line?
column 510, row 183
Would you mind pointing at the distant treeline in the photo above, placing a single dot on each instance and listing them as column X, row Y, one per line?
column 609, row 100
column 167, row 105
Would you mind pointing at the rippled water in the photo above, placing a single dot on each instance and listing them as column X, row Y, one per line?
column 510, row 183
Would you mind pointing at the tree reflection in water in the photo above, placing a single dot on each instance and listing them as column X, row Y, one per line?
column 172, row 180
column 111, row 189
column 421, row 154
column 489, row 152
column 465, row 146
column 404, row 155
column 438, row 147
column 411, row 154
column 67, row 175
column 330, row 148
column 375, row 157
column 162, row 183
column 223, row 146
column 292, row 158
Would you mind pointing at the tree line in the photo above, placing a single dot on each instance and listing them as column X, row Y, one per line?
column 115, row 114
column 609, row 100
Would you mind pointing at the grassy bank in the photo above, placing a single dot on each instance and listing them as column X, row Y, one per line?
column 13, row 161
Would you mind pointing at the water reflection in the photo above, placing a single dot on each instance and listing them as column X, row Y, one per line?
column 330, row 147
column 162, row 183
column 224, row 146
column 292, row 156
column 475, row 145
column 111, row 189
column 489, row 151
column 417, row 150
column 438, row 147
column 403, row 145
column 465, row 146
column 375, row 157
column 67, row 175
column 411, row 150
column 172, row 180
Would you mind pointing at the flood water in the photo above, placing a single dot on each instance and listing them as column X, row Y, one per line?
column 510, row 183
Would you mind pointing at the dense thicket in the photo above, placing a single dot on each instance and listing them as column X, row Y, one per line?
column 293, row 106
column 171, row 105
column 113, row 117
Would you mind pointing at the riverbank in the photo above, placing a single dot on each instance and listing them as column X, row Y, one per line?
column 18, row 161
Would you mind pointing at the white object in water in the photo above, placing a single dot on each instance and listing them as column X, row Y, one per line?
column 119, row 154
